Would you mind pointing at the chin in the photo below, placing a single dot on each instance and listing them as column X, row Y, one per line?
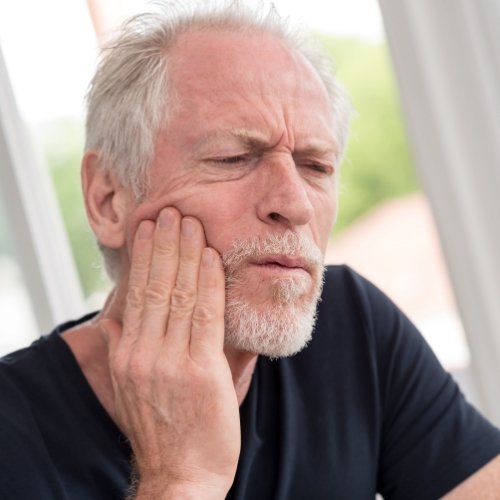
column 273, row 285
column 273, row 332
column 279, row 327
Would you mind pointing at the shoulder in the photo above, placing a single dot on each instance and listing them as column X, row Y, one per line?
column 18, row 371
column 431, row 438
column 352, row 305
column 29, row 384
column 21, row 376
column 22, row 442
column 351, row 291
column 347, row 292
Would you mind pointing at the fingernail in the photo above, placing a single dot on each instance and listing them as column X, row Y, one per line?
column 188, row 227
column 207, row 257
column 146, row 230
column 166, row 219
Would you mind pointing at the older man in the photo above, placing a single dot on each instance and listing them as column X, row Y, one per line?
column 210, row 171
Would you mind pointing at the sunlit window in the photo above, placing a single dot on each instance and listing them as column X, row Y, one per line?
column 18, row 321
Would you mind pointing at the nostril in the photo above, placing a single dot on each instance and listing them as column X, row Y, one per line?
column 274, row 215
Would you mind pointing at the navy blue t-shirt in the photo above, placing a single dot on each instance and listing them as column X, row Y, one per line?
column 366, row 407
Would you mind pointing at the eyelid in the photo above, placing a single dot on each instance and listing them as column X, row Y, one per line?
column 230, row 158
column 320, row 167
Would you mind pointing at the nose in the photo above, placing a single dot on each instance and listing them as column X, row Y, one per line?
column 283, row 193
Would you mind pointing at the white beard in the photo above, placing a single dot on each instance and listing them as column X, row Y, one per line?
column 282, row 326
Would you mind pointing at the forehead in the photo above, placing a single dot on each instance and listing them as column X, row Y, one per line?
column 246, row 80
column 210, row 53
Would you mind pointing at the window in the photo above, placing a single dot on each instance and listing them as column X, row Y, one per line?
column 18, row 320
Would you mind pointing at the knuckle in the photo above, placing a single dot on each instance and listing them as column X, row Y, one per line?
column 183, row 300
column 134, row 297
column 140, row 263
column 165, row 249
column 157, row 292
column 203, row 315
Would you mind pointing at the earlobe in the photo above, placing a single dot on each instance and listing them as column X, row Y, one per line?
column 105, row 201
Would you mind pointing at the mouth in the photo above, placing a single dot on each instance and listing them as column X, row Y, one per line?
column 282, row 263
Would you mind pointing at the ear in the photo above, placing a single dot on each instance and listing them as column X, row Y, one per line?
column 105, row 201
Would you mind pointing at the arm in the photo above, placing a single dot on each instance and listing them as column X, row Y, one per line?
column 484, row 484
column 173, row 389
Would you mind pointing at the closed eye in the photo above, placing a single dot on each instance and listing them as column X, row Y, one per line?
column 231, row 160
column 319, row 168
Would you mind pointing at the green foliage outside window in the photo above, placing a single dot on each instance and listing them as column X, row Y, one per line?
column 377, row 164
column 63, row 141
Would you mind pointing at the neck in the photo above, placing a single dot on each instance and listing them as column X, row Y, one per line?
column 242, row 365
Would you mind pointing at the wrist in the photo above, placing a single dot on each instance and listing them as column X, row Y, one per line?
column 181, row 491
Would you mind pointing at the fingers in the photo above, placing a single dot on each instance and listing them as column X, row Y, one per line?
column 174, row 296
column 184, row 293
column 138, row 278
column 162, row 274
column 207, row 333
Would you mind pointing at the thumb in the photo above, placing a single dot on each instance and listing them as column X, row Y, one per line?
column 111, row 332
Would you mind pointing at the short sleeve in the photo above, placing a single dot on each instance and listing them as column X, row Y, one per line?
column 431, row 439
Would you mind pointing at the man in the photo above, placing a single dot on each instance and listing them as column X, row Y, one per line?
column 209, row 177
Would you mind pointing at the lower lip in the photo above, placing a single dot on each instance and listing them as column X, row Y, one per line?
column 276, row 269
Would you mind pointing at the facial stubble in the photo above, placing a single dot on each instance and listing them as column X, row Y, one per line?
column 282, row 325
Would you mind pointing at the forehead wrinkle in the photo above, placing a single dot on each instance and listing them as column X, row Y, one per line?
column 258, row 141
column 244, row 137
column 318, row 147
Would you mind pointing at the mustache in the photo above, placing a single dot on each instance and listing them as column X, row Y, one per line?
column 288, row 243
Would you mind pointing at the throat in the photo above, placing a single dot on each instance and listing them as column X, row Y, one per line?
column 242, row 365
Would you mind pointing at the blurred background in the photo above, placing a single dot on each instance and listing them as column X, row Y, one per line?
column 50, row 268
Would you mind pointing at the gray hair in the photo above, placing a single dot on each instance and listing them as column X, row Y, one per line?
column 129, row 98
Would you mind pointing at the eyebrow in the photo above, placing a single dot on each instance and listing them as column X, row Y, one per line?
column 257, row 141
column 242, row 136
column 318, row 148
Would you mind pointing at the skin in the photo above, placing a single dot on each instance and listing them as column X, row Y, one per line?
column 484, row 484
column 249, row 151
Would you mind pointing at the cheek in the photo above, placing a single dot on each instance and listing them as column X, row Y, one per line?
column 223, row 216
column 325, row 209
column 220, row 211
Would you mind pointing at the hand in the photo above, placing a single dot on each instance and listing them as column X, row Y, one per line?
column 173, row 389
